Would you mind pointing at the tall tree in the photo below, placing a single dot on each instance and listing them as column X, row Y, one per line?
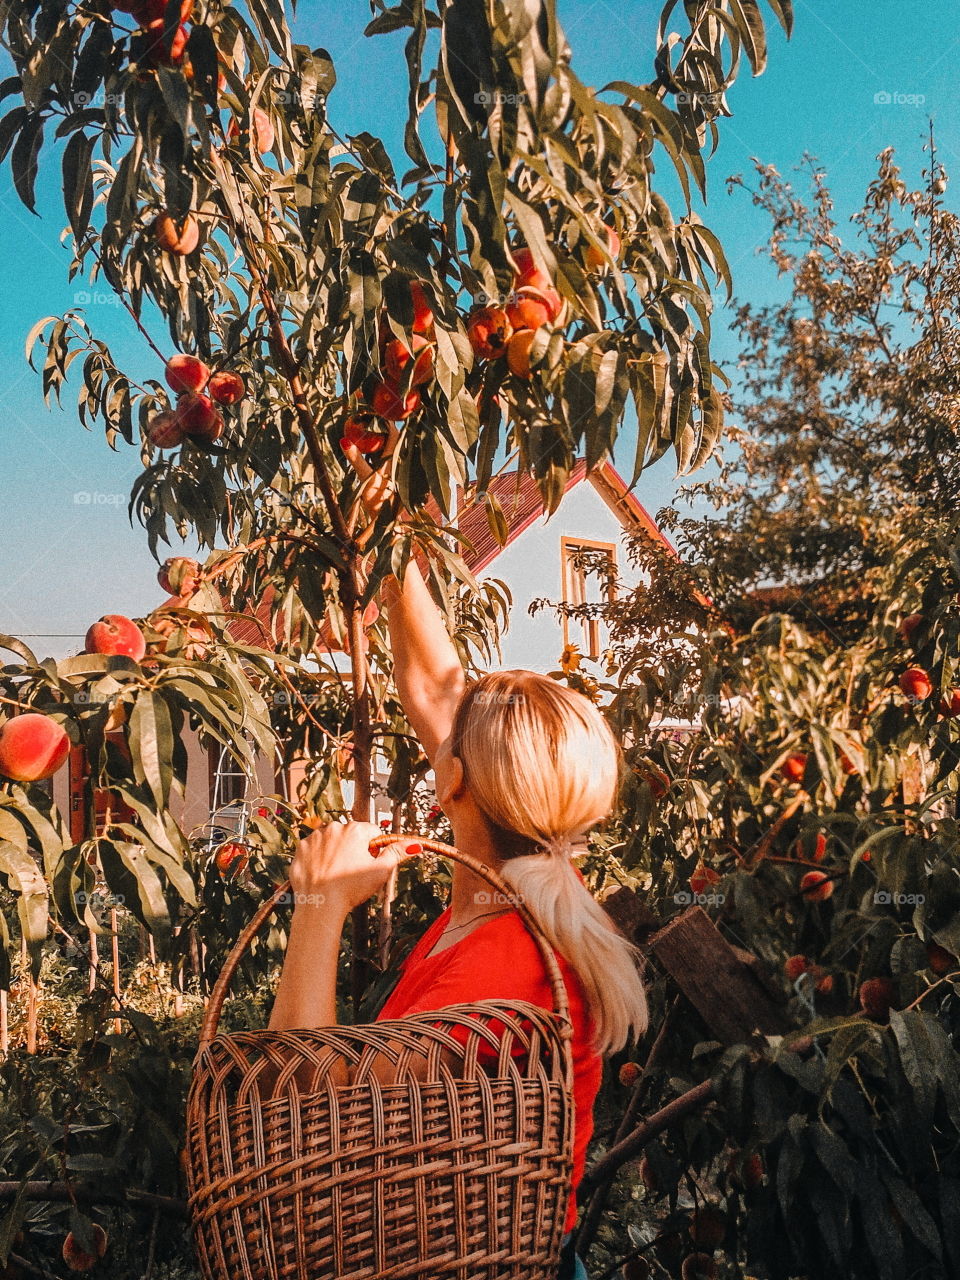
column 846, row 395
column 205, row 181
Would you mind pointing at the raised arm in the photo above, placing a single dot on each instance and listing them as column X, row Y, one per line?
column 427, row 668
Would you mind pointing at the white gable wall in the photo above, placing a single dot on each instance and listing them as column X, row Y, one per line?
column 531, row 568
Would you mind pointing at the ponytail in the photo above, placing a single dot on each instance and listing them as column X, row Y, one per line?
column 575, row 924
column 542, row 765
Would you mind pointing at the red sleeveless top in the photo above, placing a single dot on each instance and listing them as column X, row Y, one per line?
column 499, row 960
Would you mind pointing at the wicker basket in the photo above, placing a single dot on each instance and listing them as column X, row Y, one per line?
column 293, row 1177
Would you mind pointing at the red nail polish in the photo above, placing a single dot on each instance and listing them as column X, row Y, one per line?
column 414, row 848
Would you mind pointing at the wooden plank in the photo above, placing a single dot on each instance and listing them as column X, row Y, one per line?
column 725, row 992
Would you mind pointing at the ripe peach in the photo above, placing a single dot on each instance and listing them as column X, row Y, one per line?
column 489, row 330
column 794, row 767
column 816, row 886
column 386, row 402
column 263, row 131
column 181, row 240
column 708, row 1226
column 528, row 309
column 76, row 1257
column 397, row 357
column 186, row 373
column 656, row 779
column 156, row 50
column 530, row 276
column 915, row 683
column 231, row 858
column 198, row 417
column 698, row 1266
column 423, row 322
column 795, row 965
column 846, row 764
column 877, row 996
column 647, row 1175
column 179, row 576
column 527, row 273
column 746, row 1171
column 635, row 1269
column 115, row 634
column 940, row 959
column 595, row 259
column 669, row 1249
column 819, row 848
column 630, row 1073
column 702, row 877
column 908, row 625
column 518, row 353
column 950, row 707
column 823, row 982
column 360, row 430
column 32, row 747
column 164, row 430
column 226, row 387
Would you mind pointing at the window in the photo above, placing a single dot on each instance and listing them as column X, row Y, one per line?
column 228, row 782
column 588, row 578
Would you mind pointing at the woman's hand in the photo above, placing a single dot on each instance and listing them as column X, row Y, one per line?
column 334, row 866
column 377, row 484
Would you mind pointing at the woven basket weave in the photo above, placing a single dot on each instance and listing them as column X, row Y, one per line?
column 291, row 1176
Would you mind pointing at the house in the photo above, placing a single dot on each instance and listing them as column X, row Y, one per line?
column 539, row 560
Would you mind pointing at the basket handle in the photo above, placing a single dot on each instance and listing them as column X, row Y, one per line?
column 211, row 1018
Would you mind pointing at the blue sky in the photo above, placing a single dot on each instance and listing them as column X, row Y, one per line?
column 67, row 551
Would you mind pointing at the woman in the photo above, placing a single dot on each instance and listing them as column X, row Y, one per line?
column 523, row 768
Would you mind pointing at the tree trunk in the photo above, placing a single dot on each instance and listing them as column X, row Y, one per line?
column 115, row 948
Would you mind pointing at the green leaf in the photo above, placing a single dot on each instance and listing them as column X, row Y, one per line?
column 25, row 879
column 750, row 22
column 78, row 181
column 24, row 160
column 151, row 744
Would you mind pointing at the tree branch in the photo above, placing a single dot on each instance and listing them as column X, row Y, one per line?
column 606, row 1167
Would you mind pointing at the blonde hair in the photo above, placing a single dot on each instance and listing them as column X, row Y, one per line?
column 543, row 766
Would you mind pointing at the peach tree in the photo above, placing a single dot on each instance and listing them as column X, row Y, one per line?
column 517, row 295
column 806, row 796
column 502, row 301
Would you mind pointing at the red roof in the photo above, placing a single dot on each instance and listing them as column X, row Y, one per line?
column 522, row 505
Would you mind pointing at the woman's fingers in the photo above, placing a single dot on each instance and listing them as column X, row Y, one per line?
column 356, row 459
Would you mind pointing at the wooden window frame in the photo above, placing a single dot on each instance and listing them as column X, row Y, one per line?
column 590, row 627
